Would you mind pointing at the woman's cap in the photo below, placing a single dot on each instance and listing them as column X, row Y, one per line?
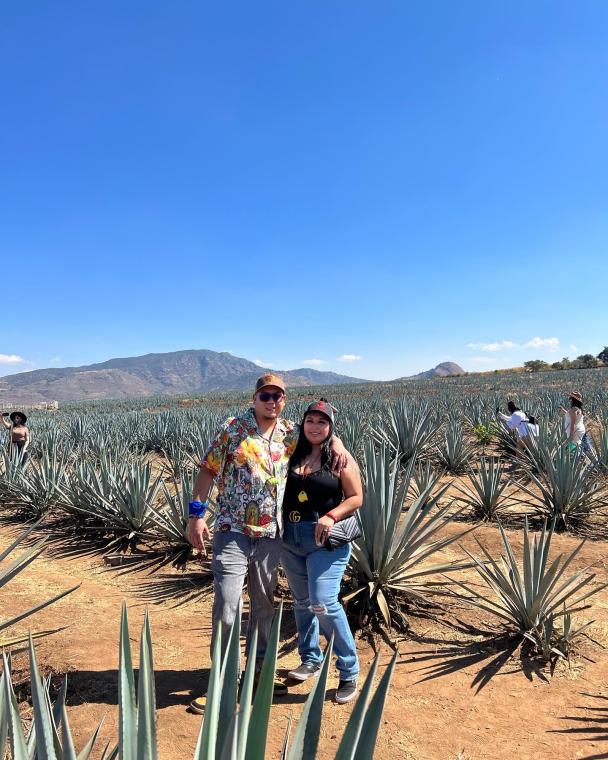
column 576, row 396
column 17, row 414
column 269, row 379
column 323, row 406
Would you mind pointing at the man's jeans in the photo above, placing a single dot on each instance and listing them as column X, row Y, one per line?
column 236, row 556
column 314, row 576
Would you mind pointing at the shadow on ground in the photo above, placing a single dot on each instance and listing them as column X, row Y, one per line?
column 595, row 726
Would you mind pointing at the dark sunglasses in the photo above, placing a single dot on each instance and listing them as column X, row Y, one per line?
column 265, row 396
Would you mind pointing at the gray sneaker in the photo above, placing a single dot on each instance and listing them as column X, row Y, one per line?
column 305, row 671
column 346, row 691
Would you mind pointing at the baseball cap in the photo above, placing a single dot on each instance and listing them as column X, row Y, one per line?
column 323, row 406
column 269, row 379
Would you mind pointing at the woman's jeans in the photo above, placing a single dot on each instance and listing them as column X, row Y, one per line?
column 314, row 574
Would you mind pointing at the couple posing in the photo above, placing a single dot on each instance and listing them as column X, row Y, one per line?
column 279, row 498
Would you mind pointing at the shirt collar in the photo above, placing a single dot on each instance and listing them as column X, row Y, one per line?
column 250, row 421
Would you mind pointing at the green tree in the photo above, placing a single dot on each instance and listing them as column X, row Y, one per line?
column 603, row 355
column 536, row 365
column 586, row 361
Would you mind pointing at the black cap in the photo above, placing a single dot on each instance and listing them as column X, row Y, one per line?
column 323, row 406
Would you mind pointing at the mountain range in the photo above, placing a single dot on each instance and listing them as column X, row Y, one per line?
column 174, row 373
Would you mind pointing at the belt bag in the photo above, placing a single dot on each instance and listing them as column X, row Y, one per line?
column 343, row 532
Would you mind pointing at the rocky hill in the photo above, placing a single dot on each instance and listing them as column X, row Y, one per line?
column 445, row 369
column 175, row 373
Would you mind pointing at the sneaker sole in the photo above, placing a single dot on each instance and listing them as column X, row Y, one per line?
column 342, row 701
column 300, row 677
column 197, row 710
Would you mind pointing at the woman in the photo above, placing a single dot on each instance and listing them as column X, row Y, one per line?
column 574, row 422
column 19, row 437
column 315, row 500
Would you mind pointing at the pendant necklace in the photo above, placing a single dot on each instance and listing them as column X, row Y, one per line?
column 303, row 496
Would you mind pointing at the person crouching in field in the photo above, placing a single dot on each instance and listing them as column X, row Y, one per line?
column 19, row 435
column 315, row 503
column 249, row 458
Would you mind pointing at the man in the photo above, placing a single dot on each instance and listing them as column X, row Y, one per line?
column 250, row 458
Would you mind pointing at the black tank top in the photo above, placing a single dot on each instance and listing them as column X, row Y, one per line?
column 318, row 492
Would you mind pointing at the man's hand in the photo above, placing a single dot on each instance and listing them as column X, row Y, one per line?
column 198, row 532
column 339, row 456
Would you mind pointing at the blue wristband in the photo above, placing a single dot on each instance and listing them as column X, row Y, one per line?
column 197, row 508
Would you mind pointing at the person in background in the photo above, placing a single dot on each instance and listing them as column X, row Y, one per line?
column 19, row 435
column 574, row 421
column 315, row 500
column 529, row 429
column 515, row 417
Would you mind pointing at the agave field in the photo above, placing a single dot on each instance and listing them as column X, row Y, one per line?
column 460, row 528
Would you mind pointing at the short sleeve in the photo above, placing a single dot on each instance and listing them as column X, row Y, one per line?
column 215, row 456
column 291, row 439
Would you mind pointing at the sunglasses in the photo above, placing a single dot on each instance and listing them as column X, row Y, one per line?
column 265, row 396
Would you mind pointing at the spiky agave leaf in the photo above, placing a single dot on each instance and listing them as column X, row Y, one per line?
column 526, row 593
column 12, row 569
column 455, row 452
column 306, row 737
column 136, row 717
column 394, row 550
column 486, row 495
column 408, row 427
column 569, row 489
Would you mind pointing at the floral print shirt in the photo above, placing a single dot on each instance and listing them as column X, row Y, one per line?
column 251, row 472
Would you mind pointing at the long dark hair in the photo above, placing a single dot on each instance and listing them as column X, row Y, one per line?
column 304, row 447
column 574, row 402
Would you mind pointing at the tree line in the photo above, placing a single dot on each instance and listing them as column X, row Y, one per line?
column 584, row 361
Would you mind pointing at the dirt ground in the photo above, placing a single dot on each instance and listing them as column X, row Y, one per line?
column 435, row 708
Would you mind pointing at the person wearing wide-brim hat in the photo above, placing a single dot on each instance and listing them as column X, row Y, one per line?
column 574, row 422
column 19, row 436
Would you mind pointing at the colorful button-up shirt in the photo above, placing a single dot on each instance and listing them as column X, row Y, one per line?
column 251, row 472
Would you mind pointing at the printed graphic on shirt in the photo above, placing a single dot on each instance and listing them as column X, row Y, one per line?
column 251, row 472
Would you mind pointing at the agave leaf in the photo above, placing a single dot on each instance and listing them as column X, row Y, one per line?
column 306, row 739
column 7, row 623
column 146, row 701
column 373, row 715
column 207, row 740
column 244, row 714
column 229, row 679
column 43, row 719
column 350, row 737
column 17, row 743
column 260, row 714
column 127, row 710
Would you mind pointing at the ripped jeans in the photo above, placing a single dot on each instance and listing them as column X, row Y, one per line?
column 314, row 576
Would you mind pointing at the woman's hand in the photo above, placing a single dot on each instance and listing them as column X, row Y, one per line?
column 323, row 529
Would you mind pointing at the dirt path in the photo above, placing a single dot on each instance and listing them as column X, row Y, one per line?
column 515, row 714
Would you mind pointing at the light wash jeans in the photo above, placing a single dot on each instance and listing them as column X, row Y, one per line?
column 314, row 574
column 236, row 557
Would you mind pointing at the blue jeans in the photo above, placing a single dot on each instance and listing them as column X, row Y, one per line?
column 314, row 576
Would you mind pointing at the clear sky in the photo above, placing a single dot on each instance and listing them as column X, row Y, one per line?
column 397, row 183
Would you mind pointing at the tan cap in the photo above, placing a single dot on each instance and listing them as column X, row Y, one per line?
column 269, row 379
column 576, row 396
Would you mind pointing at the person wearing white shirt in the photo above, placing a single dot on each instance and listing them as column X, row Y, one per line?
column 515, row 419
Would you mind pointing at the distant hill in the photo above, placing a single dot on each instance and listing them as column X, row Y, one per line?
column 175, row 373
column 445, row 369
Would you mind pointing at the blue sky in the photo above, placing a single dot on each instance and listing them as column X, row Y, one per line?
column 395, row 183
